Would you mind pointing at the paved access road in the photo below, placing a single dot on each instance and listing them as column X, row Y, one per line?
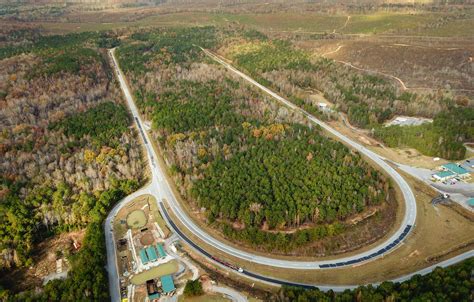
column 112, row 265
column 114, row 278
column 233, row 295
column 161, row 190
column 409, row 198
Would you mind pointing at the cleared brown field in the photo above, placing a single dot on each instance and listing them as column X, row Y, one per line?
column 44, row 256
column 423, row 65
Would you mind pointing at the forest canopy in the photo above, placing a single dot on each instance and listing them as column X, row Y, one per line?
column 91, row 123
column 239, row 156
column 67, row 154
column 451, row 284
column 444, row 137
column 368, row 100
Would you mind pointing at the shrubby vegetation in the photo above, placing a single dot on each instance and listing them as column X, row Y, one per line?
column 368, row 100
column 253, row 34
column 193, row 288
column 259, row 172
column 444, row 137
column 69, row 62
column 165, row 47
column 443, row 284
column 91, row 124
column 107, row 40
column 87, row 278
column 279, row 241
column 37, row 43
column 272, row 55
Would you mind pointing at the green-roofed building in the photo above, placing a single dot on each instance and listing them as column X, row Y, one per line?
column 143, row 256
column 470, row 202
column 151, row 252
column 443, row 175
column 154, row 296
column 167, row 284
column 460, row 171
column 161, row 250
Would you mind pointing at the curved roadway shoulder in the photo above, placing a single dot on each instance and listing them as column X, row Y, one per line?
column 162, row 191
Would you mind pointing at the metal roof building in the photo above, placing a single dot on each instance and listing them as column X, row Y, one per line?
column 143, row 256
column 151, row 252
column 154, row 296
column 470, row 202
column 443, row 175
column 455, row 169
column 161, row 250
column 167, row 284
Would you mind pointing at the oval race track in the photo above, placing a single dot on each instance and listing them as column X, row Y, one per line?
column 162, row 191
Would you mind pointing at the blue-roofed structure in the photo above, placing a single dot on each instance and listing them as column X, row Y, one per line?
column 455, row 169
column 154, row 296
column 143, row 256
column 470, row 202
column 167, row 284
column 151, row 252
column 161, row 250
column 443, row 175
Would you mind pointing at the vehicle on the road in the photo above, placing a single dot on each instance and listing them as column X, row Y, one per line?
column 162, row 189
column 235, row 268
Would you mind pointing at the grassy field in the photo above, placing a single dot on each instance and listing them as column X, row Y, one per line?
column 373, row 23
column 136, row 219
column 167, row 268
column 120, row 229
column 158, row 218
column 283, row 21
column 458, row 28
column 204, row 298
column 384, row 21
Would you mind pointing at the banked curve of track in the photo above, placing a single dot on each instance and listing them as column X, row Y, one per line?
column 161, row 189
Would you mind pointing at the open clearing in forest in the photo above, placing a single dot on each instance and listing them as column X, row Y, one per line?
column 136, row 219
column 204, row 298
column 422, row 64
column 406, row 156
column 44, row 256
column 167, row 268
column 290, row 21
column 121, row 220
